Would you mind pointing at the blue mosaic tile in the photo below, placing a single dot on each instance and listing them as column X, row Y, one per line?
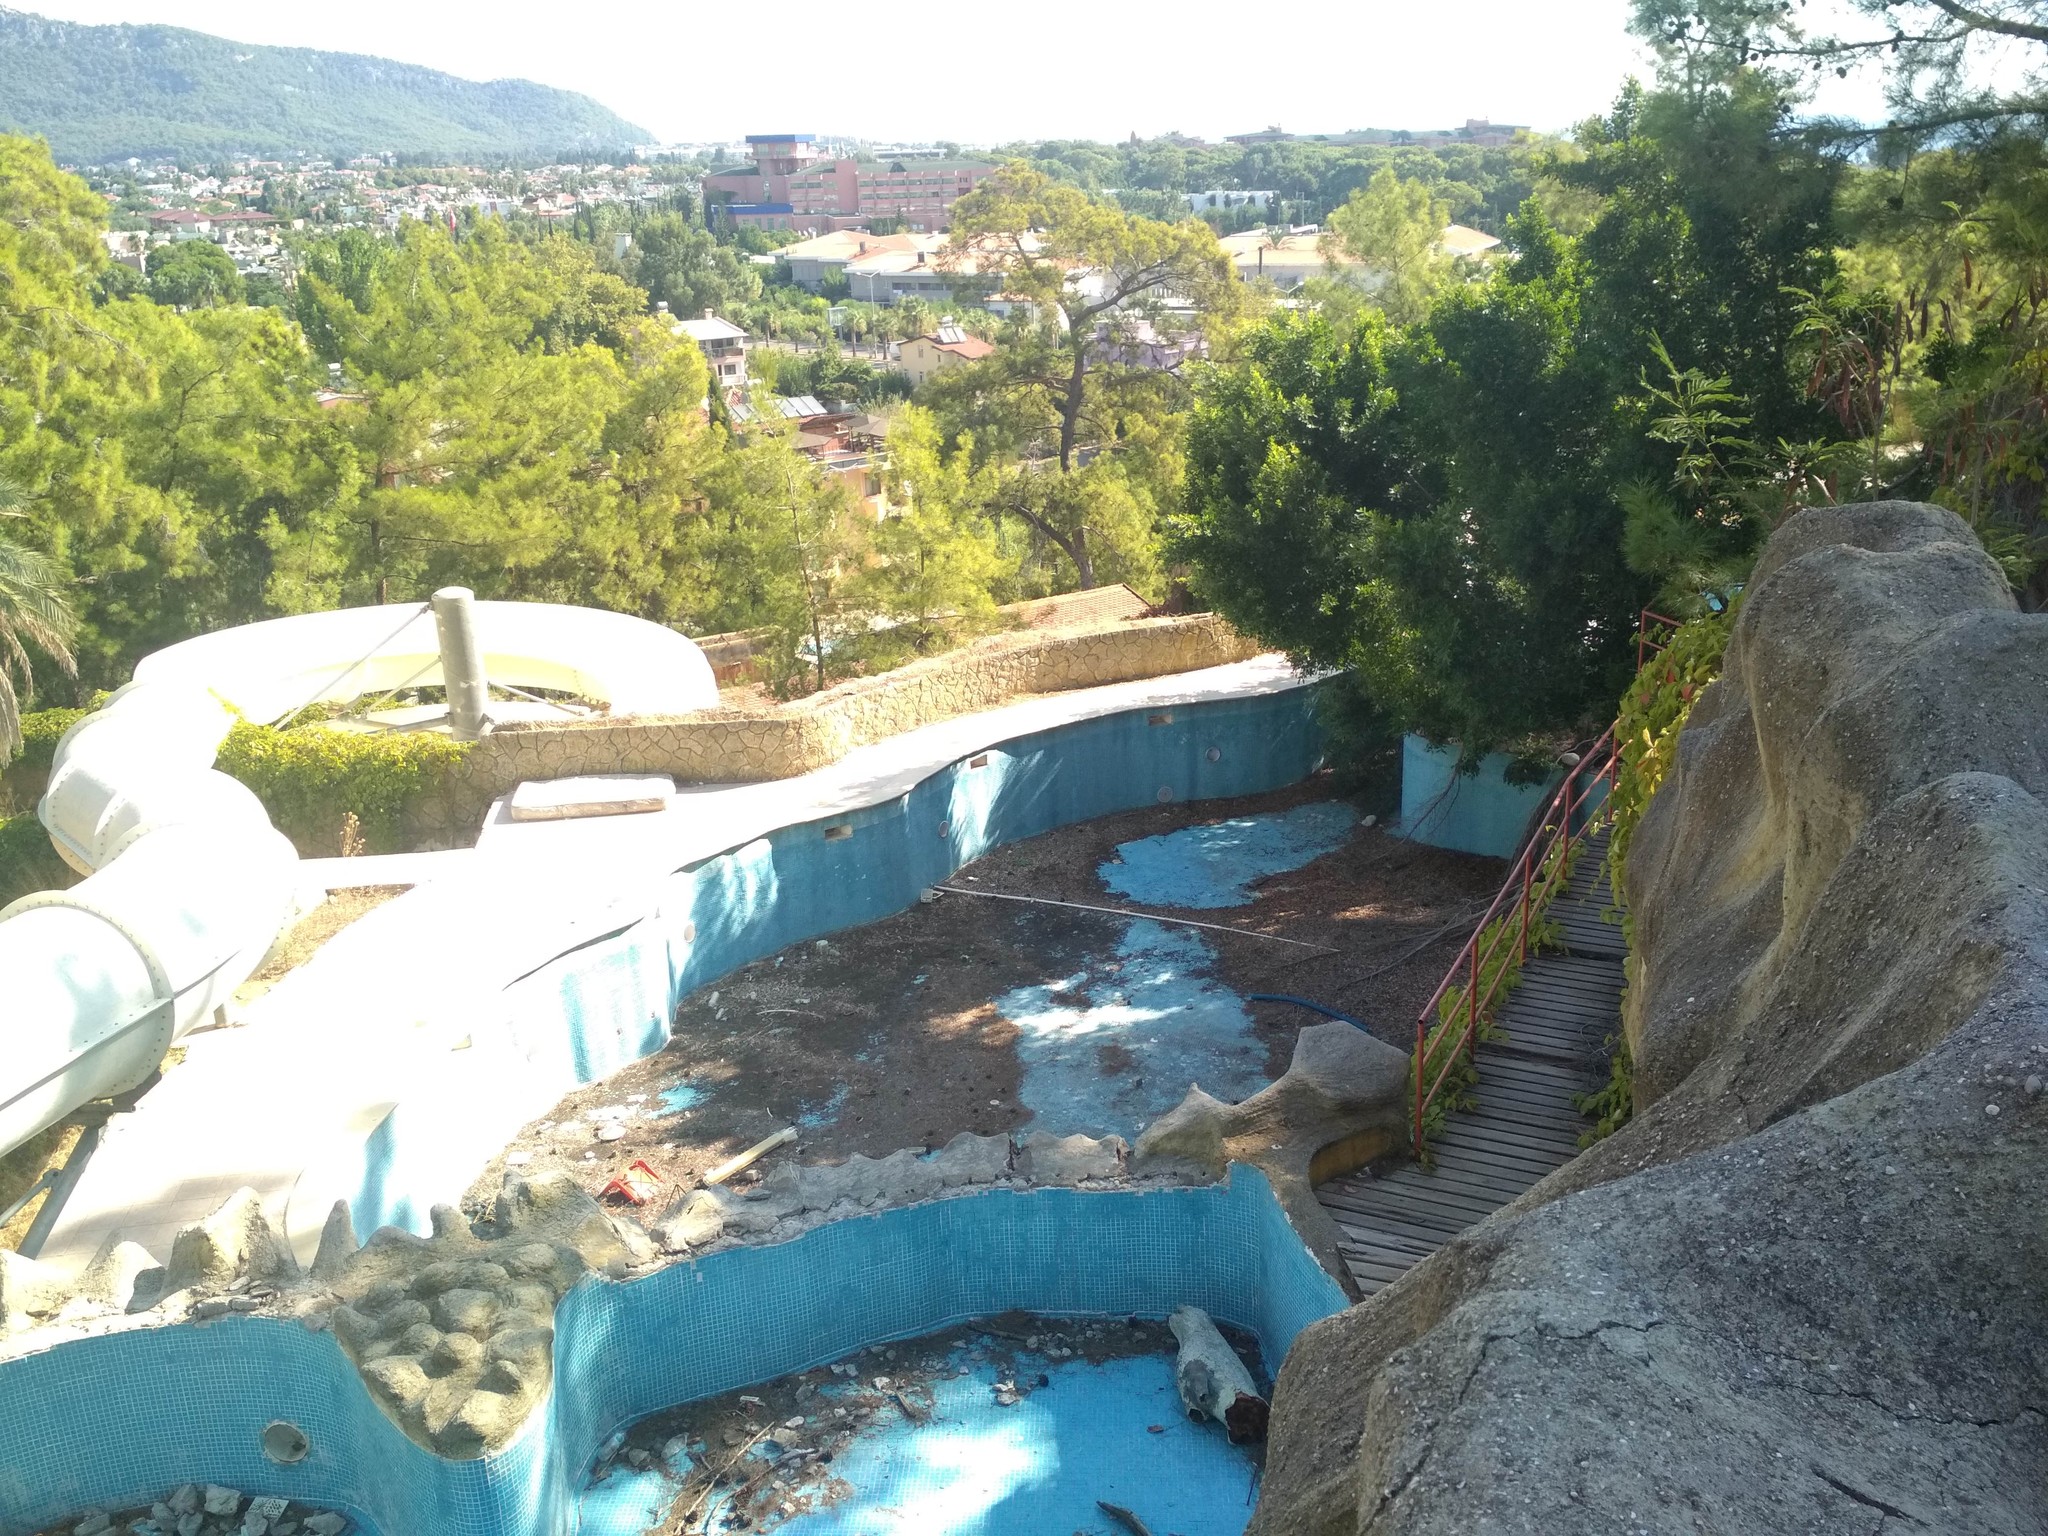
column 104, row 1423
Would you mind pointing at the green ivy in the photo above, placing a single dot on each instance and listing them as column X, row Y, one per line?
column 1452, row 1074
column 1610, row 1105
column 40, row 732
column 309, row 778
column 1653, row 711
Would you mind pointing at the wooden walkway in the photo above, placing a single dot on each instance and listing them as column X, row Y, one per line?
column 1557, row 1024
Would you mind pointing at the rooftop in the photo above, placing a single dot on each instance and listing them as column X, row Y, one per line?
column 950, row 338
column 847, row 244
column 709, row 328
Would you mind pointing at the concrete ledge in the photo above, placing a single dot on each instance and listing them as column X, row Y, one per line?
column 731, row 746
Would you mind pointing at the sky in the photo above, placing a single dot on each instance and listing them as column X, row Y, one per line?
column 984, row 74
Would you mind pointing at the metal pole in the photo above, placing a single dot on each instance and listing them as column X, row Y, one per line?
column 462, row 662
column 1472, row 996
column 1522, row 945
column 60, row 1191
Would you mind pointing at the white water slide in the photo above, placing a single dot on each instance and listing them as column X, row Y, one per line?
column 187, row 883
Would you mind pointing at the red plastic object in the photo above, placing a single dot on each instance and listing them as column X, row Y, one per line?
column 635, row 1186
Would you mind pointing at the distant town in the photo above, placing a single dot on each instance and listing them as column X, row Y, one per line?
column 838, row 220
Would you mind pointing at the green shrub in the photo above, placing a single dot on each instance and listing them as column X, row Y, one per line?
column 40, row 733
column 311, row 778
column 22, row 780
column 1611, row 1104
column 27, row 861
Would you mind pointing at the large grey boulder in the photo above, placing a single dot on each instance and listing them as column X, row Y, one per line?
column 1801, row 1290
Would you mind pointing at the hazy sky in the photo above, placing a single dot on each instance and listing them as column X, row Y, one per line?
column 983, row 73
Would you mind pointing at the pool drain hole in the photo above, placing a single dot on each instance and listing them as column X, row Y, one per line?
column 285, row 1443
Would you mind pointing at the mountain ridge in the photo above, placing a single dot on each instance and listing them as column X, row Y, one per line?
column 105, row 93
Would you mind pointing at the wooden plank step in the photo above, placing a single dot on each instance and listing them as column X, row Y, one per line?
column 1379, row 1248
column 1540, row 1157
column 1497, row 1189
column 1360, row 1232
column 1364, row 1268
column 1401, row 1210
column 1538, row 1051
column 1522, row 1071
column 1436, row 1236
column 1411, row 1201
column 1510, row 1134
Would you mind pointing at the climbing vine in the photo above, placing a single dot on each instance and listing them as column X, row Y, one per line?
column 1653, row 711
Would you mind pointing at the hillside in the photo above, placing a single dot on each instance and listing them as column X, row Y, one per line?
column 106, row 93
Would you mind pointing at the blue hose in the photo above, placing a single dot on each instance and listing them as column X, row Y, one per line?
column 1302, row 1002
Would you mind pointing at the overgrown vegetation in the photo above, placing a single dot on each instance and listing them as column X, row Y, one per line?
column 1611, row 1104
column 312, row 779
column 27, row 861
column 1653, row 712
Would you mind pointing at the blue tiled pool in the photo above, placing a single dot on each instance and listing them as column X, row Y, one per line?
column 109, row 1423
column 114, row 1422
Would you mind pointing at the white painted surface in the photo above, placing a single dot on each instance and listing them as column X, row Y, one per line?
column 278, row 667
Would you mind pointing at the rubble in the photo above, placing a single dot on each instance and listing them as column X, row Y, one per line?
column 194, row 1509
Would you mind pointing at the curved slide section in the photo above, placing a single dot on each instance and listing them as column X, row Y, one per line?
column 187, row 883
column 186, row 886
column 271, row 670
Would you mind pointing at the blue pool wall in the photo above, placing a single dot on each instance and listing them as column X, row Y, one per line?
column 115, row 1422
column 1479, row 812
column 582, row 1015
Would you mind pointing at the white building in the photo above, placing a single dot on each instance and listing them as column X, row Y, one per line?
column 724, row 346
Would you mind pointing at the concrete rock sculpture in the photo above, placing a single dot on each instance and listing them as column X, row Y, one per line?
column 1341, row 1103
column 454, row 1334
column 1801, row 1290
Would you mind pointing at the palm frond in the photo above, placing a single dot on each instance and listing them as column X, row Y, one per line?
column 33, row 603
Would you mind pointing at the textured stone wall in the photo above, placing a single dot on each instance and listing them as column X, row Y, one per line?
column 737, row 746
column 1802, row 1289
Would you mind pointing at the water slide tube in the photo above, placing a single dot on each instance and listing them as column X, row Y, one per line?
column 271, row 670
column 187, row 883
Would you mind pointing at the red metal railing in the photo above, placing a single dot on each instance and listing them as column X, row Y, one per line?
column 1645, row 646
column 1537, row 875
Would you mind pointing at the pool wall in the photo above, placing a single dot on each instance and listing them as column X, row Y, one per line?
column 1478, row 812
column 117, row 1421
column 582, row 1015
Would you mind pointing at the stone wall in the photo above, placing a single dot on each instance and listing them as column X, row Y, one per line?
column 739, row 746
column 1801, row 1289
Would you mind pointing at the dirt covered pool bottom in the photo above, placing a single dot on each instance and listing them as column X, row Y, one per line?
column 1018, row 1424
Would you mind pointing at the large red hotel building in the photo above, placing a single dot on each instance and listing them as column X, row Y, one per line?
column 791, row 185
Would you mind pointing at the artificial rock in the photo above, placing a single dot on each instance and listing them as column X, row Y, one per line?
column 1800, row 1289
column 1342, row 1102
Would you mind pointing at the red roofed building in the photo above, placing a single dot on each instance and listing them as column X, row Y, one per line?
column 925, row 357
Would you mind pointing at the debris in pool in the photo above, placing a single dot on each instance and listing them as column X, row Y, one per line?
column 195, row 1509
